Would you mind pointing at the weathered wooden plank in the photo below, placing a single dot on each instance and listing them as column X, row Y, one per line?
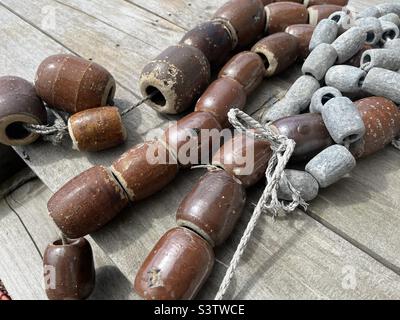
column 20, row 263
column 29, row 203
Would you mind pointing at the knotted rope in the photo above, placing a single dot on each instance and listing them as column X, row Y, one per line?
column 282, row 148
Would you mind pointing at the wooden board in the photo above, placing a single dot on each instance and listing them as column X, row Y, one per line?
column 26, row 207
column 128, row 239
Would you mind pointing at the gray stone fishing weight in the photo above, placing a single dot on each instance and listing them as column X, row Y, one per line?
column 345, row 78
column 381, row 58
column 342, row 19
column 302, row 181
column 283, row 108
column 343, row 120
column 390, row 31
column 391, row 17
column 373, row 27
column 389, row 7
column 326, row 31
column 369, row 12
column 383, row 83
column 349, row 43
column 319, row 61
column 330, row 165
column 392, row 44
column 302, row 91
column 321, row 97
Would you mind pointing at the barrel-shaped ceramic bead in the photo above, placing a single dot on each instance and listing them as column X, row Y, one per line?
column 388, row 7
column 345, row 78
column 381, row 58
column 212, row 38
column 176, row 268
column 303, row 33
column 391, row 17
column 68, row 270
column 185, row 139
column 247, row 17
column 74, row 84
column 319, row 61
column 176, row 78
column 222, row 95
column 280, row 15
column 355, row 61
column 390, row 31
column 343, row 120
column 145, row 169
column 382, row 122
column 330, row 165
column 96, row 129
column 341, row 3
column 392, row 44
column 319, row 12
column 278, row 51
column 384, row 83
column 87, row 202
column 247, row 68
column 308, row 131
column 244, row 158
column 281, row 109
column 213, row 206
column 302, row 181
column 325, row 32
column 349, row 43
column 302, row 91
column 373, row 27
column 19, row 105
column 321, row 97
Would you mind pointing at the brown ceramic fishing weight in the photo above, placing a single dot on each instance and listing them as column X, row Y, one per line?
column 280, row 15
column 19, row 105
column 318, row 12
column 96, row 129
column 87, row 202
column 303, row 33
column 69, row 270
column 73, row 84
column 176, row 268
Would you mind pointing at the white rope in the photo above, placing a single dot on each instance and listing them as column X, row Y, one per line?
column 396, row 143
column 282, row 148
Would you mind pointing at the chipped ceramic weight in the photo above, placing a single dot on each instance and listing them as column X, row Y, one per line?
column 330, row 165
column 345, row 78
column 390, row 31
column 373, row 27
column 343, row 120
column 325, row 32
column 392, row 44
column 321, row 97
column 383, row 83
column 391, row 17
column 319, row 12
column 319, row 61
column 302, row 181
column 380, row 58
column 349, row 43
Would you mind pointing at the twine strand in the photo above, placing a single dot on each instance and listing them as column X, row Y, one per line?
column 137, row 104
column 282, row 148
column 396, row 143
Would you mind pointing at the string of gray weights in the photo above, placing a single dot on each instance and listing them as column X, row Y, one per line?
column 339, row 114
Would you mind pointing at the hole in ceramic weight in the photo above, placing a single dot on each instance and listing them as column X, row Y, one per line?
column 110, row 96
column 366, row 59
column 16, row 131
column 158, row 98
column 361, row 81
column 264, row 60
column 336, row 17
column 325, row 98
column 370, row 36
column 352, row 138
column 390, row 34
